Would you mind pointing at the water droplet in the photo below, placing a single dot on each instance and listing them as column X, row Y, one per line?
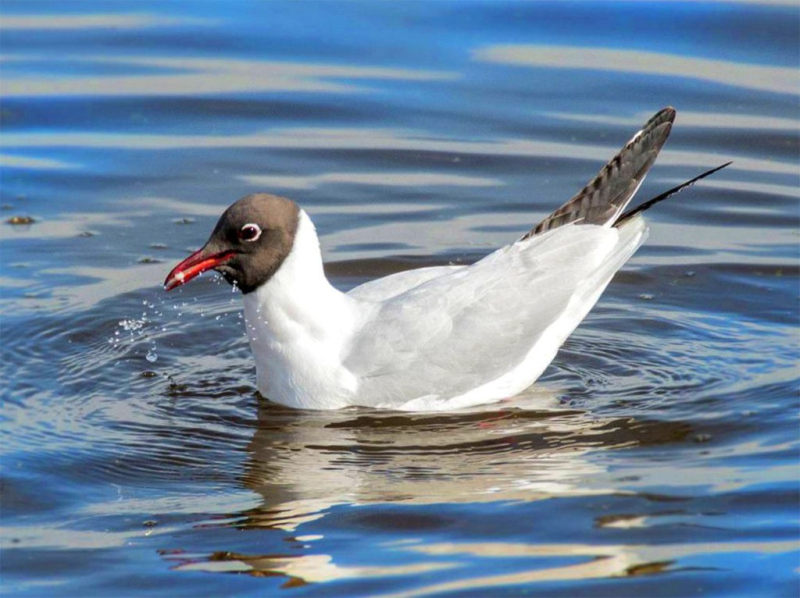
column 151, row 356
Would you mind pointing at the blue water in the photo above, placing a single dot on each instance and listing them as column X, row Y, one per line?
column 658, row 455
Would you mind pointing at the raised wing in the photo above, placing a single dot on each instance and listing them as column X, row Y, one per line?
column 605, row 197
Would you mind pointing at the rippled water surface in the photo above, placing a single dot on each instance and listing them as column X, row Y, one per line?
column 658, row 455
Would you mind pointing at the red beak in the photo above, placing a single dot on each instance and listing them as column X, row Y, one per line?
column 194, row 265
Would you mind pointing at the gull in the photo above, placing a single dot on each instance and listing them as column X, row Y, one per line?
column 434, row 338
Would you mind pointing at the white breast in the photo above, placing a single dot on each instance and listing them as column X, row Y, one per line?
column 299, row 326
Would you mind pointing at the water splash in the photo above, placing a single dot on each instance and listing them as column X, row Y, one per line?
column 133, row 325
column 141, row 329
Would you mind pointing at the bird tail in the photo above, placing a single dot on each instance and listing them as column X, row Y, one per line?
column 606, row 196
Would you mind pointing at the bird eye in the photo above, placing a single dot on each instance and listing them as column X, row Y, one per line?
column 250, row 232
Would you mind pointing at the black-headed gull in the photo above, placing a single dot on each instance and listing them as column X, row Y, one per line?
column 434, row 338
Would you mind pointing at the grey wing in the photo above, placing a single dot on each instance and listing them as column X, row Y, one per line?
column 459, row 331
column 605, row 197
column 399, row 282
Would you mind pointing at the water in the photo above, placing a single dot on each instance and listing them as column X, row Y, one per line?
column 658, row 455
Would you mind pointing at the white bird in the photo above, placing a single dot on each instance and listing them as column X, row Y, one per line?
column 433, row 338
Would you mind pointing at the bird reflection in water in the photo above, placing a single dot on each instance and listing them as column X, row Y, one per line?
column 306, row 464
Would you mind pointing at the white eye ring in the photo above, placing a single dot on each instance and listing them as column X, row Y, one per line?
column 249, row 227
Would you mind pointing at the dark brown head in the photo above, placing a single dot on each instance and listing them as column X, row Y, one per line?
column 248, row 245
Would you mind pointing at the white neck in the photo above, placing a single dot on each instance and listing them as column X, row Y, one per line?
column 299, row 326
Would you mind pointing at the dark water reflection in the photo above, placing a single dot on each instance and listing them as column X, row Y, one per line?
column 657, row 456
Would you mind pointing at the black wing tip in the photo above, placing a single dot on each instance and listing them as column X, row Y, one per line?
column 663, row 119
column 659, row 198
column 666, row 114
column 660, row 124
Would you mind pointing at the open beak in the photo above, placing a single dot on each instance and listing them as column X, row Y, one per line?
column 194, row 265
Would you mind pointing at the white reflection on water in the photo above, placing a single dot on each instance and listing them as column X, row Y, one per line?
column 390, row 179
column 710, row 120
column 62, row 22
column 312, row 138
column 307, row 568
column 30, row 163
column 599, row 561
column 748, row 187
column 602, row 560
column 172, row 207
column 193, row 76
column 752, row 76
column 699, row 243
